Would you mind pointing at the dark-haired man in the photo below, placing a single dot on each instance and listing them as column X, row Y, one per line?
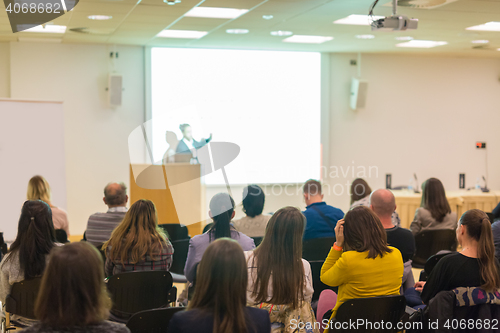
column 100, row 225
column 321, row 218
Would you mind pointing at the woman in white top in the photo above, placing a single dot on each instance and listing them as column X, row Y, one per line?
column 39, row 189
column 279, row 280
column 434, row 211
column 254, row 223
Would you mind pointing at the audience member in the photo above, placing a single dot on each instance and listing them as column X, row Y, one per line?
column 279, row 280
column 254, row 223
column 138, row 244
column 221, row 212
column 72, row 296
column 383, row 203
column 474, row 266
column 39, row 189
column 321, row 218
column 434, row 211
column 496, row 213
column 495, row 229
column 219, row 301
column 101, row 225
column 360, row 196
column 367, row 267
column 28, row 254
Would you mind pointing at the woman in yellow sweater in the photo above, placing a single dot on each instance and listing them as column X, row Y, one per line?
column 360, row 262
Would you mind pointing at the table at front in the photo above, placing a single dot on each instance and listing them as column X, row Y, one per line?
column 460, row 201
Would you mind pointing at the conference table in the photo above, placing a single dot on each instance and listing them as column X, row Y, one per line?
column 460, row 201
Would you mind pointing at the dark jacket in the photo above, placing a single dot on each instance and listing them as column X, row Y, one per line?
column 449, row 309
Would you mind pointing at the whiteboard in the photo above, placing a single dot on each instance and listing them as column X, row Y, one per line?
column 31, row 143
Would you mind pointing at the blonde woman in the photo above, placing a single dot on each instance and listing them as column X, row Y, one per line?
column 137, row 243
column 39, row 189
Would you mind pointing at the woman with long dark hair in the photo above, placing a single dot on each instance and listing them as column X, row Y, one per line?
column 434, row 211
column 474, row 266
column 219, row 301
column 72, row 296
column 360, row 262
column 254, row 223
column 279, row 279
column 28, row 254
column 221, row 212
column 137, row 243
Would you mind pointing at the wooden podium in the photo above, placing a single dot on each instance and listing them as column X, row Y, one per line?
column 176, row 190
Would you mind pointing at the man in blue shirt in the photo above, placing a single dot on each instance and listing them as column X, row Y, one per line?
column 321, row 218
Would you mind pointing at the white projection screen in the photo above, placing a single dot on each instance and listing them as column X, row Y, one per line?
column 266, row 102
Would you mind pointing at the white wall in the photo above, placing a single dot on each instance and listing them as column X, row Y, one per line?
column 423, row 115
column 95, row 135
column 4, row 70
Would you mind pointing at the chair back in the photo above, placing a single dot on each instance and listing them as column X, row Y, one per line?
column 152, row 321
column 175, row 231
column 132, row 292
column 3, row 245
column 207, row 227
column 181, row 248
column 61, row 236
column 374, row 310
column 317, row 248
column 257, row 240
column 22, row 297
column 317, row 284
column 430, row 242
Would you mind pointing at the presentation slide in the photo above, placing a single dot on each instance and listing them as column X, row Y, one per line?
column 266, row 102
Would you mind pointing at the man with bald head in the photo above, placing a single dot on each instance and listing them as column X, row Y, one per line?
column 383, row 203
column 100, row 225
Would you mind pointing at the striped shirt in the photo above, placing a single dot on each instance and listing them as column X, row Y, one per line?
column 161, row 262
column 101, row 225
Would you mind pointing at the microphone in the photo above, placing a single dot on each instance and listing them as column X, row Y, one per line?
column 416, row 190
column 485, row 188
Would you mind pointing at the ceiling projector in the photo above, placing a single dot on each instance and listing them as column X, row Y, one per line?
column 394, row 23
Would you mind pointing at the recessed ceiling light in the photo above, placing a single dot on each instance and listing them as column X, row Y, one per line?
column 498, row 49
column 307, row 39
column 281, row 33
column 404, row 38
column 215, row 12
column 365, row 36
column 100, row 17
column 171, row 2
column 49, row 28
column 237, row 31
column 480, row 41
column 358, row 19
column 425, row 44
column 190, row 34
column 490, row 26
column 267, row 17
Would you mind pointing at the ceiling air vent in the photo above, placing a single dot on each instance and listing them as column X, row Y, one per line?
column 91, row 31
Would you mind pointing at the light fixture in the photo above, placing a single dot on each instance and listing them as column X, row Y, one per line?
column 216, row 12
column 237, row 31
column 99, row 17
column 267, row 17
column 358, row 19
column 490, row 26
column 425, row 44
column 188, row 34
column 281, row 33
column 404, row 38
column 480, row 41
column 365, row 36
column 48, row 28
column 307, row 39
column 171, row 2
column 498, row 49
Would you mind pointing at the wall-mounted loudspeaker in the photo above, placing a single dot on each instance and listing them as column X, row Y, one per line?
column 359, row 89
column 115, row 85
